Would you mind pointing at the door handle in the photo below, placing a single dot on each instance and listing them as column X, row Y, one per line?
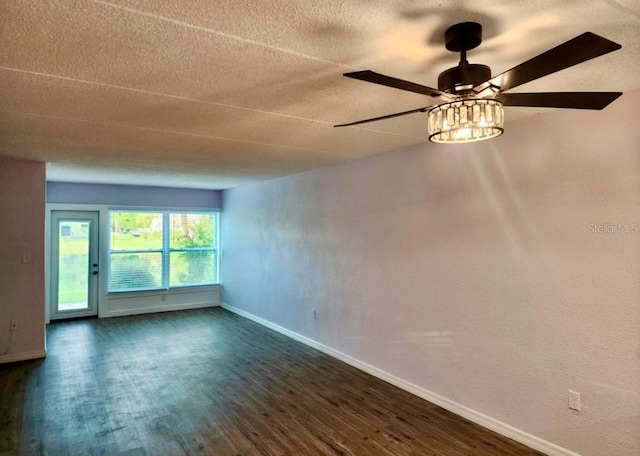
column 95, row 272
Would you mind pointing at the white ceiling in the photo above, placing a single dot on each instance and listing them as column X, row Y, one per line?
column 214, row 94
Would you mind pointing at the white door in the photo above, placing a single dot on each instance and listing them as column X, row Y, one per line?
column 74, row 264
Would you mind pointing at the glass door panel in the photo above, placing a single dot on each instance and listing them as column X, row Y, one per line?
column 74, row 264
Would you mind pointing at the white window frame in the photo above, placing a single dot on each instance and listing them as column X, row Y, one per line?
column 166, row 250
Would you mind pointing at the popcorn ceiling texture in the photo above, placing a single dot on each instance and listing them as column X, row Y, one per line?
column 214, row 94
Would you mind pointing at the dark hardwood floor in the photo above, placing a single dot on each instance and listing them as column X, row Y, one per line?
column 209, row 382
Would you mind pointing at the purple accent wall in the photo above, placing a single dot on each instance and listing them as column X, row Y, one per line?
column 132, row 195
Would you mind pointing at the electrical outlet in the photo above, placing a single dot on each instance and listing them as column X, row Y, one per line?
column 14, row 325
column 574, row 400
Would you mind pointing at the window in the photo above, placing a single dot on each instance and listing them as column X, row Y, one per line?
column 161, row 250
column 192, row 253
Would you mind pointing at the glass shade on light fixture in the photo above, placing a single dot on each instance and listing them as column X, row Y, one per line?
column 466, row 120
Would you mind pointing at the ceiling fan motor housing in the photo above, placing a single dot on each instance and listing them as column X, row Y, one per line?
column 463, row 75
column 462, row 38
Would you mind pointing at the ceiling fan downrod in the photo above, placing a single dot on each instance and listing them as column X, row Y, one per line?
column 460, row 79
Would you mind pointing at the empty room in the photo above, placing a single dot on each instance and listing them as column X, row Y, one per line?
column 399, row 228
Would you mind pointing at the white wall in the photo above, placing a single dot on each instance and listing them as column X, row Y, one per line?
column 22, row 196
column 473, row 272
column 141, row 302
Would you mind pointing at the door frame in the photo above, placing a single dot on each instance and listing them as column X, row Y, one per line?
column 103, row 247
column 93, row 219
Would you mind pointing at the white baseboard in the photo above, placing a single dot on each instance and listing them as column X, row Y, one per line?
column 24, row 356
column 156, row 309
column 483, row 420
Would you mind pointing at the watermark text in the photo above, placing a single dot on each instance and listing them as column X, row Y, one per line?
column 614, row 228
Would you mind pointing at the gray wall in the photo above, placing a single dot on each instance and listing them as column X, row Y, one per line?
column 132, row 195
column 496, row 275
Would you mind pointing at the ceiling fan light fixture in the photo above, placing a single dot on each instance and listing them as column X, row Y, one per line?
column 465, row 120
column 473, row 100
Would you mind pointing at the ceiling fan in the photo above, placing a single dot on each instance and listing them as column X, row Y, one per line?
column 472, row 100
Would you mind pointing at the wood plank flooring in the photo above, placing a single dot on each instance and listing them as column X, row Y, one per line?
column 207, row 382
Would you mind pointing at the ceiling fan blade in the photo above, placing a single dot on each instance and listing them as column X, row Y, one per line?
column 574, row 100
column 388, row 116
column 580, row 49
column 377, row 78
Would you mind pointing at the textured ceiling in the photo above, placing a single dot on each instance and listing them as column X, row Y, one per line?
column 213, row 94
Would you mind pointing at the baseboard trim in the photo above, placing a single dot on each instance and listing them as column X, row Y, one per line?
column 24, row 356
column 156, row 309
column 483, row 420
